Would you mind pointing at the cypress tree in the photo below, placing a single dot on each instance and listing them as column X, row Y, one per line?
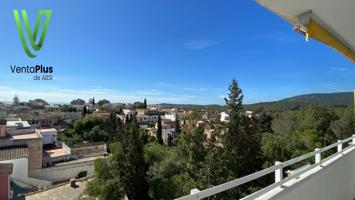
column 170, row 140
column 85, row 111
column 159, row 131
column 177, row 124
column 134, row 169
column 145, row 103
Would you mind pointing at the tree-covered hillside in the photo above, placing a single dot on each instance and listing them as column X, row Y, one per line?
column 341, row 99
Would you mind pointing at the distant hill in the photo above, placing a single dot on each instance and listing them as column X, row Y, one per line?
column 341, row 99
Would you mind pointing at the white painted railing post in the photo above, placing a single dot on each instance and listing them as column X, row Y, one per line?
column 194, row 191
column 353, row 141
column 278, row 172
column 340, row 146
column 317, row 156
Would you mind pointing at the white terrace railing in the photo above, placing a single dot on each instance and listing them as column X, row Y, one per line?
column 277, row 169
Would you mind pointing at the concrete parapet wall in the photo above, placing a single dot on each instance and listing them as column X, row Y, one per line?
column 64, row 171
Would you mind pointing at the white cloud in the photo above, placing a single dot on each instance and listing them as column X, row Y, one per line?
column 200, row 44
column 195, row 89
column 338, row 69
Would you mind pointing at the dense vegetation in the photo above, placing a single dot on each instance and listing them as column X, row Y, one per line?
column 143, row 167
column 91, row 129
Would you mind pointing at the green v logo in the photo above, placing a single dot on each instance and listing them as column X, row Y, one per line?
column 32, row 36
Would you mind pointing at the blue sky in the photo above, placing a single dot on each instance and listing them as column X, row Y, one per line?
column 175, row 51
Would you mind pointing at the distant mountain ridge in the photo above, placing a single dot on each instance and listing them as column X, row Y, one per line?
column 341, row 99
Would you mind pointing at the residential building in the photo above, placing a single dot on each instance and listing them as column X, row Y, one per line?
column 224, row 117
column 146, row 118
column 49, row 136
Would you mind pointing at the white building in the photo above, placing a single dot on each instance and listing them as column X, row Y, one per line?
column 49, row 136
column 146, row 118
column 224, row 117
column 172, row 116
column 128, row 112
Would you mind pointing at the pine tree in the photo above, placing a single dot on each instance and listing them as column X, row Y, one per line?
column 159, row 131
column 234, row 138
column 241, row 141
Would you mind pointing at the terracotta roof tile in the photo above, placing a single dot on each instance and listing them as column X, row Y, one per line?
column 10, row 153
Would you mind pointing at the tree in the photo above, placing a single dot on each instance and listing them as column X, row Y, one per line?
column 253, row 159
column 125, row 172
column 107, row 184
column 139, row 105
column 213, row 171
column 16, row 101
column 77, row 102
column 103, row 102
column 85, row 111
column 132, row 167
column 145, row 103
column 233, row 140
column 177, row 124
column 241, row 143
column 113, row 126
column 96, row 134
column 343, row 127
column 170, row 140
column 92, row 101
column 192, row 150
column 159, row 131
column 265, row 122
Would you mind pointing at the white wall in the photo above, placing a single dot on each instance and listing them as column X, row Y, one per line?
column 20, row 173
column 334, row 181
column 170, row 116
column 20, row 167
column 63, row 172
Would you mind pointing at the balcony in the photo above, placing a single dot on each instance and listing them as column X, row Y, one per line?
column 331, row 178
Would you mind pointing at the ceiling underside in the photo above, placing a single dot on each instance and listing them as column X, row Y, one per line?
column 335, row 17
